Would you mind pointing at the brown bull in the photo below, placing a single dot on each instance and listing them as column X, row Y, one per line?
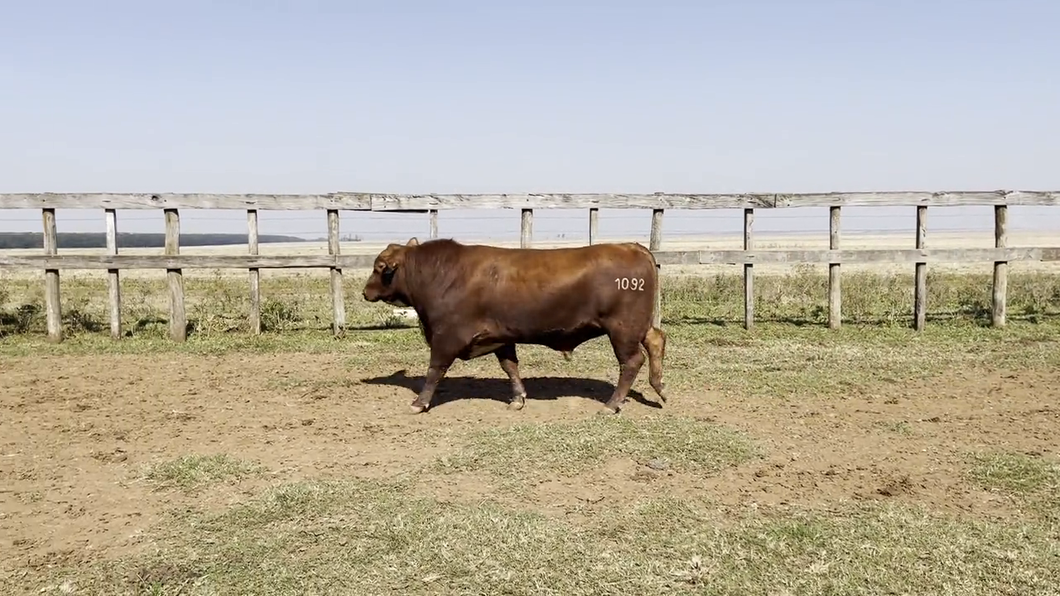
column 474, row 300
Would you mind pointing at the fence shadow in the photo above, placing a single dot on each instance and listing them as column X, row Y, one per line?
column 453, row 388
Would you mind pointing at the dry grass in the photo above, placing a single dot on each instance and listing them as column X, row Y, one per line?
column 549, row 450
column 194, row 472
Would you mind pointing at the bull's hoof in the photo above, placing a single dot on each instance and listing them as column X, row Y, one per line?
column 516, row 405
column 416, row 409
column 607, row 411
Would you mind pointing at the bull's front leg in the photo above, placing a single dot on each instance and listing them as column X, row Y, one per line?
column 442, row 357
column 435, row 372
column 509, row 362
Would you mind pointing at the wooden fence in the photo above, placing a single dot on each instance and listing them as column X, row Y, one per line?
column 174, row 263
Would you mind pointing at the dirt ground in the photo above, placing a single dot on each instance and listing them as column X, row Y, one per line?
column 71, row 446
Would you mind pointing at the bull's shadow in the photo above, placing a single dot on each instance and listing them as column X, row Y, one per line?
column 454, row 388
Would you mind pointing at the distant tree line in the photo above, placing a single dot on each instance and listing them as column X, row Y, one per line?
column 10, row 240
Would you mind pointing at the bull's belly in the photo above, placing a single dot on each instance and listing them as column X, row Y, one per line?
column 481, row 349
column 561, row 341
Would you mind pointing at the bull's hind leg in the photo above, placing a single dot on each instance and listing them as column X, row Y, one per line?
column 655, row 343
column 630, row 359
column 509, row 362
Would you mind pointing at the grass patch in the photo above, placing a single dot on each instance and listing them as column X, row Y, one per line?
column 194, row 472
column 360, row 537
column 1016, row 473
column 680, row 443
column 900, row 427
column 1032, row 480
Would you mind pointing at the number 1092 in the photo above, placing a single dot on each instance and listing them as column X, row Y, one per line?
column 630, row 283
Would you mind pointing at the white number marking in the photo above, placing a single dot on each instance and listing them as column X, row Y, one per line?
column 630, row 283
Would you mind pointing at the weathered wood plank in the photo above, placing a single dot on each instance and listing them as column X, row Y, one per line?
column 396, row 202
column 254, row 317
column 1000, row 293
column 52, row 297
column 425, row 202
column 113, row 275
column 920, row 273
column 526, row 228
column 835, row 304
column 178, row 318
column 655, row 245
column 748, row 271
column 594, row 225
column 420, row 202
column 903, row 198
column 664, row 257
column 338, row 301
column 59, row 200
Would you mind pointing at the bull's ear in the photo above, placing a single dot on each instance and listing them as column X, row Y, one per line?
column 412, row 242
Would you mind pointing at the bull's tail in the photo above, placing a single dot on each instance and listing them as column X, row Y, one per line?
column 654, row 343
column 655, row 277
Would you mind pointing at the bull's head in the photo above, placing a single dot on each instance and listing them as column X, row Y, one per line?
column 385, row 282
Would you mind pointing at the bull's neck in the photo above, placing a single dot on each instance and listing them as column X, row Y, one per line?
column 417, row 275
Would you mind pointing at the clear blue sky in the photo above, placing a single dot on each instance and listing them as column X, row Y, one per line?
column 474, row 96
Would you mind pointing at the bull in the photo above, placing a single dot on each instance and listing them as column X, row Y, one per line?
column 474, row 300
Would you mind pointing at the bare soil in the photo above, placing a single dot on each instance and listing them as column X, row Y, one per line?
column 73, row 446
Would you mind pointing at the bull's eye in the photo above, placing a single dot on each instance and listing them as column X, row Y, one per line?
column 388, row 275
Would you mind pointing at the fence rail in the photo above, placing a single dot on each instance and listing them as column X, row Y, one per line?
column 333, row 203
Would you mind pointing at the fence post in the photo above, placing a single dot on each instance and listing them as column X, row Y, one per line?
column 835, row 304
column 1000, row 267
column 255, row 274
column 52, row 298
column 920, row 290
column 748, row 271
column 594, row 224
column 526, row 231
column 113, row 275
column 434, row 223
column 178, row 321
column 338, row 303
column 655, row 244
